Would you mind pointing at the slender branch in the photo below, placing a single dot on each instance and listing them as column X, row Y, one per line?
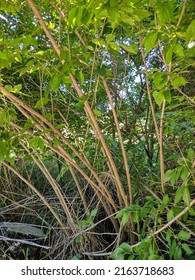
column 182, row 13
column 187, row 97
column 78, row 187
column 123, row 153
column 159, row 132
column 23, row 241
column 148, row 88
column 120, row 139
column 43, row 25
column 161, row 147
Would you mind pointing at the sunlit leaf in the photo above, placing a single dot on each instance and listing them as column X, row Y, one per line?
column 184, row 235
column 150, row 40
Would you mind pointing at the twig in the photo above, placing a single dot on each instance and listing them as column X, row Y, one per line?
column 3, row 238
column 182, row 13
column 187, row 97
column 43, row 25
column 161, row 146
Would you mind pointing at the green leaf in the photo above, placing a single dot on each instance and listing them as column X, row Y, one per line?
column 135, row 217
column 4, row 55
column 170, row 215
column 169, row 234
column 190, row 34
column 110, row 37
column 173, row 248
column 158, row 97
column 17, row 88
column 97, row 112
column 191, row 154
column 90, row 48
column 104, row 71
column 165, row 199
column 133, row 208
column 161, row 208
column 169, row 54
column 118, row 254
column 36, row 142
column 141, row 14
column 184, row 235
column 82, row 100
column 177, row 210
column 72, row 16
column 150, row 40
column 66, row 68
column 179, row 194
column 168, row 175
column 41, row 102
column 55, row 82
column 131, row 257
column 125, row 218
column 66, row 80
column 79, row 14
column 178, row 50
column 8, row 87
column 84, row 224
column 153, row 257
column 113, row 3
column 174, row 177
column 41, row 53
column 114, row 46
column 187, row 249
column 184, row 174
column 164, row 11
column 178, row 253
column 179, row 81
column 81, row 77
column 114, row 14
column 121, row 213
column 191, row 212
column 11, row 157
column 3, row 150
column 93, row 213
column 131, row 49
column 18, row 57
column 167, row 96
column 98, row 42
column 126, row 247
column 126, row 18
column 178, row 173
column 186, row 196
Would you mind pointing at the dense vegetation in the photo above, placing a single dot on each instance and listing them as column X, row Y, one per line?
column 97, row 129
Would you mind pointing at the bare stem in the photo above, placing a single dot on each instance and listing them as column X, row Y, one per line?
column 182, row 13
column 161, row 147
